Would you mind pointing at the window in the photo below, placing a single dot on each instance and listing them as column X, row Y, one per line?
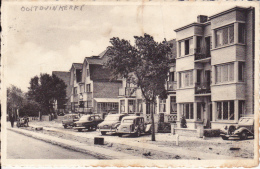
column 224, row 36
column 88, row 87
column 241, row 33
column 172, row 76
column 200, row 107
column 186, row 78
column 241, row 108
column 81, row 104
column 185, row 47
column 225, row 110
column 87, row 72
column 75, row 90
column 107, row 107
column 187, row 110
column 173, row 104
column 162, row 105
column 131, row 106
column 241, row 71
column 225, row 73
column 82, row 88
column 140, row 105
column 122, row 106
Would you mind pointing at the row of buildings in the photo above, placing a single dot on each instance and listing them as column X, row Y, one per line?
column 211, row 79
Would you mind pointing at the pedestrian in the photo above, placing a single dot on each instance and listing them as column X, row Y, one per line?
column 12, row 118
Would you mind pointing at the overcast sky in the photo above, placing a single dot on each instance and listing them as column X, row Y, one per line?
column 45, row 41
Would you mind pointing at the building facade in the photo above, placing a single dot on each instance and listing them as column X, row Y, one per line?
column 93, row 91
column 215, row 69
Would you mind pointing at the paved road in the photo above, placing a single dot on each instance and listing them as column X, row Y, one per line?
column 36, row 149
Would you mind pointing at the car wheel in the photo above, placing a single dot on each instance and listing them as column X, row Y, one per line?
column 79, row 130
column 103, row 132
column 119, row 135
column 243, row 135
column 65, row 126
column 138, row 134
column 224, row 137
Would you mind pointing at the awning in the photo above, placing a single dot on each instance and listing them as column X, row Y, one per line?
column 104, row 100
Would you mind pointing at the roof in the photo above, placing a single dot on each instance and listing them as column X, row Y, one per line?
column 237, row 8
column 97, row 60
column 108, row 100
column 212, row 17
column 65, row 76
column 98, row 72
column 77, row 65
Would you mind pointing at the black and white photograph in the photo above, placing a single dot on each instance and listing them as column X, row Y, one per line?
column 122, row 83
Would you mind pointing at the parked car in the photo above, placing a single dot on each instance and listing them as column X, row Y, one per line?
column 243, row 129
column 133, row 125
column 111, row 122
column 89, row 122
column 69, row 120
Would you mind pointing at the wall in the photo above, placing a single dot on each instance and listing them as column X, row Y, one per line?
column 106, row 89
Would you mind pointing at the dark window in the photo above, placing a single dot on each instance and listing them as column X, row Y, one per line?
column 199, row 111
column 241, row 33
column 187, row 47
column 241, row 108
column 240, row 71
column 81, row 104
column 171, row 77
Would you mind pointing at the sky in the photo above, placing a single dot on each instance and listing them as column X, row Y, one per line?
column 42, row 41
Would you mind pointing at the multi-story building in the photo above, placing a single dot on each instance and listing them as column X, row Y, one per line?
column 93, row 89
column 63, row 106
column 215, row 68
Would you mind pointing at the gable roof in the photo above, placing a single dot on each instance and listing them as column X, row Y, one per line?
column 98, row 72
column 97, row 60
column 77, row 65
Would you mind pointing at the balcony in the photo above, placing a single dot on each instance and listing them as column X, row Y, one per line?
column 202, row 88
column 202, row 53
column 127, row 91
column 171, row 85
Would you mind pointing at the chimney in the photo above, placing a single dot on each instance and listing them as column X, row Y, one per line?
column 202, row 18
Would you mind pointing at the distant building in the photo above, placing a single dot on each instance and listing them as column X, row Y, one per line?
column 59, row 107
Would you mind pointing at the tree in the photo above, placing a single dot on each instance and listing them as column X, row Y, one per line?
column 15, row 99
column 45, row 90
column 146, row 65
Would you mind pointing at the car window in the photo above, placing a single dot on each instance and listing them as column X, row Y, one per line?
column 91, row 118
column 97, row 118
column 128, row 121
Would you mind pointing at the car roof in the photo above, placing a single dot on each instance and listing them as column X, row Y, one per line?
column 116, row 114
column 132, row 117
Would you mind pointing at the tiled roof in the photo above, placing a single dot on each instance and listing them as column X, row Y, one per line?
column 77, row 65
column 97, row 72
column 65, row 76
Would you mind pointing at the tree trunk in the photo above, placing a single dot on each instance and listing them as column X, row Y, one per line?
column 152, row 117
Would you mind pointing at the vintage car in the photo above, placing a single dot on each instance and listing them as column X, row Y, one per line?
column 111, row 122
column 69, row 120
column 133, row 125
column 243, row 129
column 89, row 122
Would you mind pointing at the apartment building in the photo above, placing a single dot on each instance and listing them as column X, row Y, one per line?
column 215, row 69
column 93, row 90
column 58, row 105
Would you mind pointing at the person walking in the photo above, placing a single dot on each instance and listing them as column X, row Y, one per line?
column 12, row 118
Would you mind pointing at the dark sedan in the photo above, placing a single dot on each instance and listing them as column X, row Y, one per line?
column 89, row 122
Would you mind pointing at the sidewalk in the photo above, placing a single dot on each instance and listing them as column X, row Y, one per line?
column 143, row 144
column 99, row 152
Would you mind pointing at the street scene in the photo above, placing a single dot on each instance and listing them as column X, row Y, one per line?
column 105, row 84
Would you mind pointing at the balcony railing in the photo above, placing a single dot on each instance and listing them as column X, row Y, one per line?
column 202, row 88
column 127, row 91
column 202, row 53
column 171, row 85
